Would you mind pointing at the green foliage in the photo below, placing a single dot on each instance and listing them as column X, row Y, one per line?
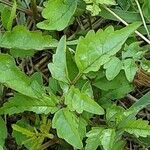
column 104, row 45
column 114, row 89
column 27, row 135
column 145, row 64
column 3, row 133
column 113, row 68
column 68, row 78
column 57, row 14
column 146, row 9
column 78, row 101
column 8, row 15
column 35, row 40
column 130, row 69
column 18, row 80
column 58, row 68
column 64, row 119
column 94, row 7
column 138, row 128
column 20, row 103
column 100, row 136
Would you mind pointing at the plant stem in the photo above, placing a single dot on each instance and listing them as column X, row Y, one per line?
column 49, row 143
column 132, row 98
column 125, row 23
column 142, row 17
column 26, row 11
column 76, row 78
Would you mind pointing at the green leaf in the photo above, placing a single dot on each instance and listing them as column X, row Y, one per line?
column 93, row 5
column 8, row 15
column 94, row 138
column 71, row 65
column 129, row 16
column 21, row 53
column 21, row 138
column 58, row 68
column 12, row 15
column 21, row 38
column 57, row 13
column 107, row 2
column 3, row 132
column 146, row 9
column 37, row 76
column 1, row 148
column 64, row 119
column 2, row 7
column 142, row 102
column 133, row 51
column 77, row 101
column 113, row 68
column 20, row 103
column 124, row 4
column 5, row 16
column 138, row 128
column 119, row 145
column 22, row 130
column 114, row 114
column 115, row 89
column 145, row 64
column 34, row 137
column 92, row 54
column 100, row 136
column 82, row 127
column 94, row 9
column 87, row 89
column 145, row 141
column 53, row 86
column 14, row 78
column 108, row 138
column 130, row 69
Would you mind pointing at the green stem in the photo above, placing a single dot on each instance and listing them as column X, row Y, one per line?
column 76, row 78
column 142, row 17
column 125, row 23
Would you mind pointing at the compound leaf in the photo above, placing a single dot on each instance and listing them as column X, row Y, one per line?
column 92, row 54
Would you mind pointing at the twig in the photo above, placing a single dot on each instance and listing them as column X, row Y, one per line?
column 49, row 143
column 132, row 98
column 125, row 23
